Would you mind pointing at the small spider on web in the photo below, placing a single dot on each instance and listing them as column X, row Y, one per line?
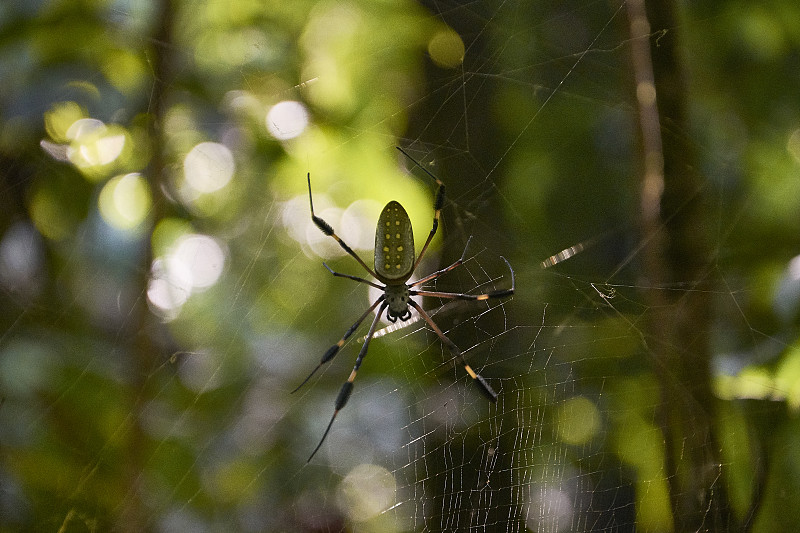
column 395, row 263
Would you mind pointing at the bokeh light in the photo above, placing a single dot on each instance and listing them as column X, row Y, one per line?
column 446, row 49
column 193, row 264
column 550, row 505
column 125, row 201
column 286, row 120
column 358, row 223
column 578, row 420
column 47, row 214
column 355, row 224
column 208, row 167
column 21, row 259
column 366, row 491
column 204, row 258
column 321, row 244
column 93, row 143
column 168, row 289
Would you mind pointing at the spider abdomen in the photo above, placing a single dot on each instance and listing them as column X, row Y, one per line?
column 394, row 244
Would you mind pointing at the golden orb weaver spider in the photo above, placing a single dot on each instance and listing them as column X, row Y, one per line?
column 394, row 265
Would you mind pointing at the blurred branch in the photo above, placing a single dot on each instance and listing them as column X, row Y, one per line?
column 673, row 218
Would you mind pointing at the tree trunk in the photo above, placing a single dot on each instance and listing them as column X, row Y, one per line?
column 674, row 218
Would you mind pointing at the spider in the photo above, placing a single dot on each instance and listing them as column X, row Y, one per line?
column 394, row 265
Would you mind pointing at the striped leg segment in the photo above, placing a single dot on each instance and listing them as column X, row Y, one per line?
column 333, row 350
column 347, row 386
column 431, row 277
column 482, row 384
column 460, row 296
column 328, row 230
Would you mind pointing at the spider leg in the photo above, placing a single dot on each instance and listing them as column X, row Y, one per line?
column 328, row 230
column 335, row 348
column 354, row 278
column 347, row 386
column 482, row 384
column 437, row 207
column 480, row 297
column 438, row 273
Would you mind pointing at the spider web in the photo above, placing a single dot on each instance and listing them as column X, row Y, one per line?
column 121, row 410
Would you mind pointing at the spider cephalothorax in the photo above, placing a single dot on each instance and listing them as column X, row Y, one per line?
column 397, row 298
column 395, row 263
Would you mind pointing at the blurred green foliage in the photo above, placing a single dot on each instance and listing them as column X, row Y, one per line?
column 156, row 315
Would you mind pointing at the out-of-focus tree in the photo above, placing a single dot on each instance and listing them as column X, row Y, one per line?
column 151, row 152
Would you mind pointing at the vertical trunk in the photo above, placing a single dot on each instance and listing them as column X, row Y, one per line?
column 673, row 222
column 145, row 350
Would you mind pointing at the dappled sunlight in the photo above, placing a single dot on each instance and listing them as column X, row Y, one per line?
column 358, row 223
column 322, row 245
column 578, row 421
column 446, row 48
column 355, row 224
column 551, row 508
column 330, row 36
column 366, row 491
column 287, row 120
column 208, row 167
column 295, row 216
column 168, row 289
column 88, row 143
column 204, row 257
column 93, row 143
column 125, row 201
column 194, row 264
